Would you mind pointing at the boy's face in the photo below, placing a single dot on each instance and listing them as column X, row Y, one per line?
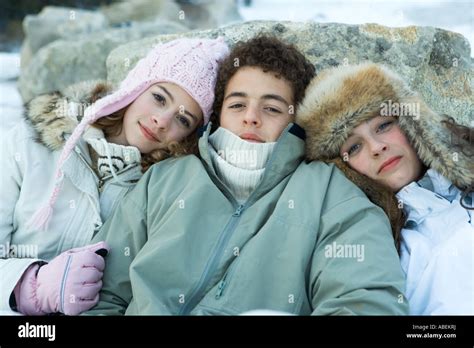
column 257, row 106
column 380, row 150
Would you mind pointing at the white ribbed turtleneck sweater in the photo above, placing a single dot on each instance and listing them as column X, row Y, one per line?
column 240, row 164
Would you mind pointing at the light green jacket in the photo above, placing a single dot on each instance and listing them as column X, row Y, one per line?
column 181, row 244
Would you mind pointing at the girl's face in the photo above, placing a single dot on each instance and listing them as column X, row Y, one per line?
column 380, row 150
column 162, row 114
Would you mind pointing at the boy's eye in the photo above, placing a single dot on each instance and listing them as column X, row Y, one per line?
column 159, row 98
column 236, row 106
column 271, row 109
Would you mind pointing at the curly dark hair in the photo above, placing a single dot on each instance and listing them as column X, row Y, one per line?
column 271, row 55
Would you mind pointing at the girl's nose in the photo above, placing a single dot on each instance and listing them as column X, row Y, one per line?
column 161, row 121
column 377, row 147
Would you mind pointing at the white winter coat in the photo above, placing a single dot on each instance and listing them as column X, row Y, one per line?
column 437, row 249
column 26, row 179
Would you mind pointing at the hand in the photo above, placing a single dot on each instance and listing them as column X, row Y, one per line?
column 69, row 284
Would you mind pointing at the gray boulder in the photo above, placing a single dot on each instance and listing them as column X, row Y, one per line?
column 54, row 23
column 64, row 62
column 206, row 14
column 141, row 11
column 66, row 45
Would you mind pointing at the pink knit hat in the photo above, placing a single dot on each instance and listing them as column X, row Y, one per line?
column 192, row 64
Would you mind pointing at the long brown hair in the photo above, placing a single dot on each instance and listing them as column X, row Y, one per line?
column 462, row 138
column 112, row 126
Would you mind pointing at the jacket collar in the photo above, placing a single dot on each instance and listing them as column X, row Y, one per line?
column 287, row 155
column 431, row 194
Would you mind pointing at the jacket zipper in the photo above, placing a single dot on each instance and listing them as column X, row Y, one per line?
column 100, row 186
column 197, row 292
column 220, row 287
column 224, row 281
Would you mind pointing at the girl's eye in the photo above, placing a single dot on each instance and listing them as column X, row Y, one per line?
column 384, row 126
column 184, row 121
column 236, row 106
column 353, row 149
column 159, row 98
column 269, row 108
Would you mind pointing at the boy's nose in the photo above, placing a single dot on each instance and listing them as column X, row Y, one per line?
column 252, row 116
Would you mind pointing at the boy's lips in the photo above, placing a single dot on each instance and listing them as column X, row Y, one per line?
column 389, row 164
column 147, row 133
column 251, row 137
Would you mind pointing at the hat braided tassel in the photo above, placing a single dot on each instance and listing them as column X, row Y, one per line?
column 42, row 216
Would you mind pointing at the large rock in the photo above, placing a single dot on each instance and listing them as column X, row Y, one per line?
column 65, row 45
column 435, row 62
column 64, row 62
column 54, row 23
column 68, row 23
column 141, row 10
column 206, row 14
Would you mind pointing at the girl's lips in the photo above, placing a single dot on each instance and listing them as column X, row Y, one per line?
column 389, row 164
column 147, row 133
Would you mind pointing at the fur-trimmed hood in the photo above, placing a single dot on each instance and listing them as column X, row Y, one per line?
column 341, row 98
column 54, row 115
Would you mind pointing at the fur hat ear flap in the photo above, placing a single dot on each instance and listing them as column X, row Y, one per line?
column 378, row 194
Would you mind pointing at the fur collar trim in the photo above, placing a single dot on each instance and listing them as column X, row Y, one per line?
column 55, row 115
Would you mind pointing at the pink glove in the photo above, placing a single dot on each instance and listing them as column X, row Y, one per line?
column 69, row 284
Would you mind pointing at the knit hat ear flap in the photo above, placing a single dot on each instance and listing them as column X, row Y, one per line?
column 378, row 194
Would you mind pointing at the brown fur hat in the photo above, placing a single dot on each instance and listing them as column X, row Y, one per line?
column 341, row 98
